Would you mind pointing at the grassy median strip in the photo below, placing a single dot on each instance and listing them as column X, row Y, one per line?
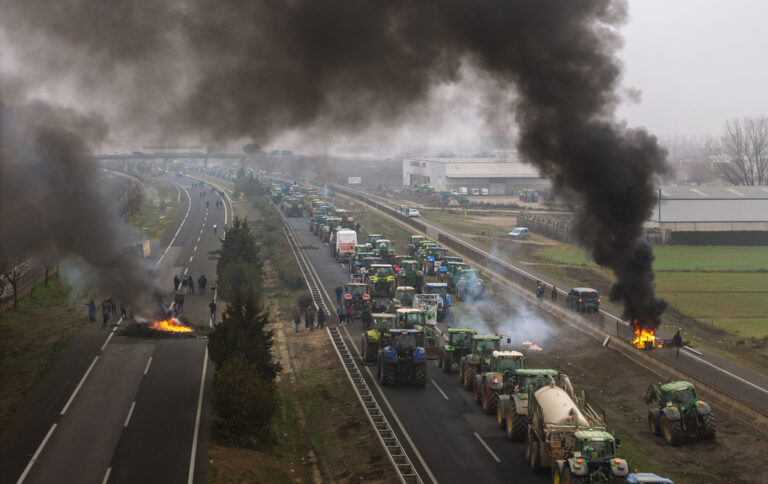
column 157, row 209
column 32, row 338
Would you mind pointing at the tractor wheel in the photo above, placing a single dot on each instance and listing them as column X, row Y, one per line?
column 369, row 352
column 461, row 372
column 517, row 425
column 501, row 418
column 420, row 375
column 654, row 425
column 490, row 400
column 469, row 377
column 708, row 426
column 477, row 394
column 556, row 477
column 387, row 375
column 535, row 455
column 672, row 430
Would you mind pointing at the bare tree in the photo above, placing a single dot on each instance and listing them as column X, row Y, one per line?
column 12, row 268
column 743, row 159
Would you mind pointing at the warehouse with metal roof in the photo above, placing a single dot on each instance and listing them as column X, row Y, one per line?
column 711, row 208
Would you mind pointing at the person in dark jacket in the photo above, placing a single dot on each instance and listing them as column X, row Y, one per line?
column 350, row 314
column 677, row 341
column 296, row 319
column 212, row 307
column 320, row 318
column 367, row 319
column 176, row 282
column 201, row 283
column 91, row 310
column 339, row 290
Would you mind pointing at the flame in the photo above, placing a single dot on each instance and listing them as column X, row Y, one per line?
column 644, row 338
column 173, row 325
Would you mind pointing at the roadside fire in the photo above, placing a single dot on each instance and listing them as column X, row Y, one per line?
column 171, row 325
column 644, row 338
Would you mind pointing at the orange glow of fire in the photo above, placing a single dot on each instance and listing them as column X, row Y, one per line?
column 172, row 325
column 644, row 338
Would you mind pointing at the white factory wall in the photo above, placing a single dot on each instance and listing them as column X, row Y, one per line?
column 721, row 210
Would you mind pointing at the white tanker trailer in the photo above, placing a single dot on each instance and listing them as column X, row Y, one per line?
column 567, row 434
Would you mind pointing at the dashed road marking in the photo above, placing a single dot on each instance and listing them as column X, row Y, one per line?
column 149, row 362
column 79, row 385
column 130, row 412
column 439, row 389
column 495, row 457
column 37, row 453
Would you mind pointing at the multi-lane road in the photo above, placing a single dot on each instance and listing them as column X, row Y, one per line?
column 448, row 438
column 124, row 409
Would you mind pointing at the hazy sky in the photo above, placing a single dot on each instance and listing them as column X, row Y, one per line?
column 697, row 62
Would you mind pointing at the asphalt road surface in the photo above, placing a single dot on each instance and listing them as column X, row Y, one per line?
column 456, row 440
column 127, row 409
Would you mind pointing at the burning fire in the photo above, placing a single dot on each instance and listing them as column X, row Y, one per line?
column 644, row 338
column 172, row 325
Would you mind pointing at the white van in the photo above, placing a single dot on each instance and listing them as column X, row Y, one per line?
column 344, row 245
column 484, row 192
column 412, row 212
column 463, row 190
column 475, row 191
column 520, row 233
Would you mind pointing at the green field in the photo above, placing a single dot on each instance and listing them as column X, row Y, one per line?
column 678, row 258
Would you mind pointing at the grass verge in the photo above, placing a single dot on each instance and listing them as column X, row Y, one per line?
column 157, row 209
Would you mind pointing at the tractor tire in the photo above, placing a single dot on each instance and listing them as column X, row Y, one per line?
column 672, row 430
column 387, row 375
column 369, row 352
column 490, row 400
column 420, row 375
column 708, row 426
column 461, row 371
column 534, row 455
column 654, row 424
column 501, row 418
column 469, row 377
column 517, row 425
column 477, row 394
column 447, row 363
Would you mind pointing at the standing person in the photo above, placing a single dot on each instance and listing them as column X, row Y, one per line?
column 341, row 313
column 367, row 319
column 104, row 315
column 677, row 340
column 296, row 318
column 320, row 318
column 214, row 229
column 113, row 307
column 311, row 314
column 350, row 314
column 207, row 203
column 338, row 292
column 201, row 283
column 554, row 294
column 123, row 311
column 540, row 295
column 191, row 285
column 176, row 282
column 212, row 307
column 180, row 304
column 91, row 310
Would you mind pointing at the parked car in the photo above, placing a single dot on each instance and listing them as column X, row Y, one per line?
column 520, row 233
column 412, row 212
column 583, row 299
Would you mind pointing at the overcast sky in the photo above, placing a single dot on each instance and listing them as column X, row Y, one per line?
column 697, row 62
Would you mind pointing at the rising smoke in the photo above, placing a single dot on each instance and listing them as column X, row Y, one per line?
column 258, row 69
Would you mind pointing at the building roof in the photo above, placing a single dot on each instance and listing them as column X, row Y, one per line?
column 482, row 167
column 712, row 192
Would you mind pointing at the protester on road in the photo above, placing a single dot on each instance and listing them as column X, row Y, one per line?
column 212, row 307
column 554, row 294
column 296, row 319
column 311, row 318
column 350, row 314
column 339, row 290
column 104, row 315
column 91, row 310
column 201, row 283
column 214, row 229
column 320, row 318
column 677, row 341
column 341, row 313
column 367, row 319
column 176, row 283
column 191, row 285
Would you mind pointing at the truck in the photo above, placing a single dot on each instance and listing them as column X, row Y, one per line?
column 382, row 322
column 567, row 434
column 679, row 413
column 403, row 358
column 489, row 384
column 458, row 345
column 344, row 246
column 478, row 358
column 512, row 409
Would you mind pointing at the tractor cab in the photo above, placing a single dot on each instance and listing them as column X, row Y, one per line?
column 526, row 380
column 503, row 361
column 372, row 238
column 356, row 261
column 460, row 339
column 444, row 301
column 485, row 344
column 594, row 445
column 447, row 271
column 356, row 295
column 404, row 296
column 410, row 317
column 413, row 243
column 363, row 248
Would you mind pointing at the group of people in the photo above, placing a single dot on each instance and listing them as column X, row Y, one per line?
column 186, row 285
column 540, row 293
column 108, row 310
column 309, row 318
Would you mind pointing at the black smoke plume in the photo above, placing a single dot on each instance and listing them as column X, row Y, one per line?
column 256, row 69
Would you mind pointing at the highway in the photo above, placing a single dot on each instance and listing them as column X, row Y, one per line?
column 125, row 409
column 454, row 440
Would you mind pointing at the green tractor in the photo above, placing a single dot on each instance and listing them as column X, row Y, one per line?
column 404, row 297
column 413, row 318
column 383, row 248
column 459, row 344
column 382, row 322
column 356, row 261
column 410, row 275
column 680, row 413
column 328, row 226
column 490, row 384
column 512, row 409
column 421, row 254
column 381, row 280
column 293, row 207
column 592, row 459
column 469, row 286
column 477, row 360
column 446, row 276
column 346, row 219
column 413, row 244
column 372, row 238
column 402, row 357
column 432, row 259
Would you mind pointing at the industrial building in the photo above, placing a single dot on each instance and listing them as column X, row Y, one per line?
column 503, row 175
column 711, row 208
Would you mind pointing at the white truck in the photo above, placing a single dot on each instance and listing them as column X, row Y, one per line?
column 344, row 244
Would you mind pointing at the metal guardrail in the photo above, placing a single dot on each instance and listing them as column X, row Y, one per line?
column 387, row 437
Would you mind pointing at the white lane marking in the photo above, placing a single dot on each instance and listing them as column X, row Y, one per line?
column 561, row 292
column 79, row 385
column 191, row 477
column 149, row 362
column 106, row 476
column 36, row 455
column 201, row 231
column 173, row 239
column 198, row 239
column 195, row 249
column 191, row 257
column 495, row 457
column 203, row 226
column 439, row 389
column 130, row 412
column 186, row 270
